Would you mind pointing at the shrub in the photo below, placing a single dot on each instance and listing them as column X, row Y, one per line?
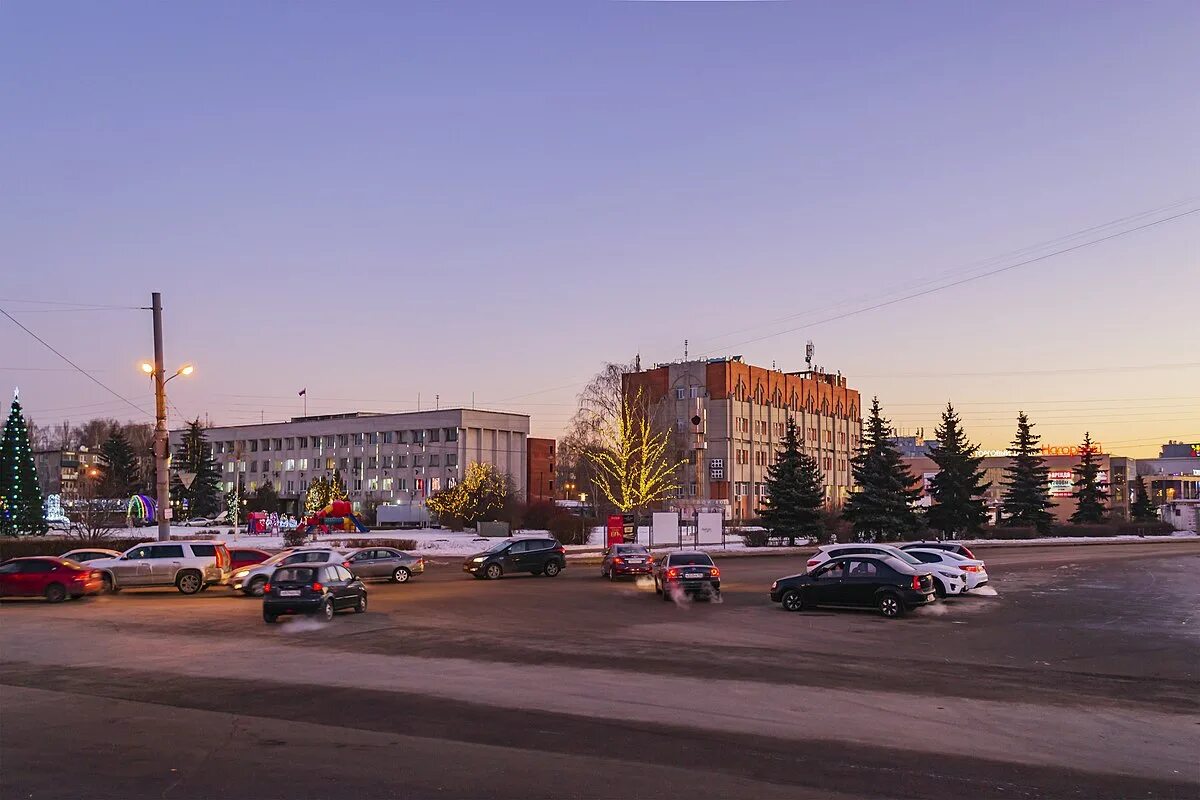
column 537, row 515
column 1145, row 529
column 570, row 529
column 754, row 538
column 398, row 544
column 295, row 537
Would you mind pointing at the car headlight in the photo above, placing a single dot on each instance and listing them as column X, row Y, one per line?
column 241, row 573
column 479, row 560
column 774, row 585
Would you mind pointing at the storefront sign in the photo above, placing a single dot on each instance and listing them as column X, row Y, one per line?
column 616, row 529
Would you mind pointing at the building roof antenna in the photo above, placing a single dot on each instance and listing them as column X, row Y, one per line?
column 809, row 349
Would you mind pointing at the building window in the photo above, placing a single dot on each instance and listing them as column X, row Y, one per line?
column 373, row 484
column 302, row 464
column 344, row 463
column 331, row 464
column 373, row 438
column 277, row 444
column 401, row 460
column 358, row 463
column 343, row 440
column 418, row 437
column 254, row 445
column 242, row 466
column 358, row 484
column 302, row 442
column 418, row 459
column 290, row 464
column 387, row 484
column 218, row 447
column 401, row 437
column 435, row 434
column 360, row 438
column 451, row 434
column 452, row 460
column 401, row 485
column 229, row 466
column 434, row 461
column 254, row 466
column 291, row 487
column 435, row 485
column 372, row 462
column 387, row 437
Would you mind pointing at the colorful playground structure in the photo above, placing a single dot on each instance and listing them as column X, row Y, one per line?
column 140, row 510
column 337, row 516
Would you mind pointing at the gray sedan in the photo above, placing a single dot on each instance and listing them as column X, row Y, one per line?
column 251, row 580
column 384, row 562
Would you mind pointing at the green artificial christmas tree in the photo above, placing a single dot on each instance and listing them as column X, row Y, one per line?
column 317, row 496
column 194, row 455
column 22, row 510
column 122, row 478
column 1027, row 481
column 795, row 491
column 957, row 490
column 1091, row 498
column 1141, row 509
column 337, row 488
column 880, row 508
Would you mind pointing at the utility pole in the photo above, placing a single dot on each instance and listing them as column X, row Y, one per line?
column 161, row 476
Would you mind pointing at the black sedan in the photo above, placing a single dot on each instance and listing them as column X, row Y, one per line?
column 859, row 581
column 318, row 590
column 687, row 571
column 626, row 559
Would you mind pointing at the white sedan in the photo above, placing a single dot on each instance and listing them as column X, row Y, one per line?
column 972, row 568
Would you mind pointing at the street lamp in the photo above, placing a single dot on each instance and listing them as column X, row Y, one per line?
column 161, row 449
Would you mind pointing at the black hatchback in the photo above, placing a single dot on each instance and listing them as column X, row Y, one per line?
column 859, row 581
column 318, row 590
column 537, row 555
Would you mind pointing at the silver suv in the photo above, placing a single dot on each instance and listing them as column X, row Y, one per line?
column 251, row 580
column 190, row 566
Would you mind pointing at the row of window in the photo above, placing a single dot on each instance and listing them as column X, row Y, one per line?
column 810, row 406
column 357, row 463
column 337, row 440
column 375, row 484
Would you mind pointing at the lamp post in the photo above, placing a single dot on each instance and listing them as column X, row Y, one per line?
column 162, row 456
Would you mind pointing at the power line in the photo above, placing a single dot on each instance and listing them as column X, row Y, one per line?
column 961, row 281
column 1075, row 371
column 81, row 306
column 80, row 369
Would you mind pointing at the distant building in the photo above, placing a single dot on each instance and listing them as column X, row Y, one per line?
column 59, row 470
column 1174, row 475
column 539, row 478
column 727, row 419
column 383, row 458
column 915, row 446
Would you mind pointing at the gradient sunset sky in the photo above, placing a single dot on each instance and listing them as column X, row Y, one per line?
column 376, row 200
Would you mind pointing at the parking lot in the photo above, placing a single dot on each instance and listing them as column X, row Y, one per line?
column 1074, row 677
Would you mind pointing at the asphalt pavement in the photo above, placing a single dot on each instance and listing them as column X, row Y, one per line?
column 1073, row 677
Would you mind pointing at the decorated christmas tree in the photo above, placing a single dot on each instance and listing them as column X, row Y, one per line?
column 22, row 509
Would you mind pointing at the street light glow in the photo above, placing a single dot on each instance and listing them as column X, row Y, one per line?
column 147, row 368
column 186, row 369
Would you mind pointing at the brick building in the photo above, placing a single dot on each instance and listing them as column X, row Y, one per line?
column 539, row 480
column 728, row 419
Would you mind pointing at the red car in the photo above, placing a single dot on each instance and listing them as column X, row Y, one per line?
column 55, row 579
column 246, row 557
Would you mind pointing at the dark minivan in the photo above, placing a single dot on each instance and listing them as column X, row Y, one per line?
column 537, row 555
column 314, row 589
column 860, row 581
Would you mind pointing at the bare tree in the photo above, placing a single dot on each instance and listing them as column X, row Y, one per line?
column 92, row 433
column 64, row 435
column 93, row 518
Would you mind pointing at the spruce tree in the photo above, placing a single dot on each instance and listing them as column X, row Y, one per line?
column 1027, row 481
column 1091, row 498
column 121, row 474
column 958, row 488
column 22, row 509
column 880, row 508
column 1141, row 509
column 317, row 496
column 337, row 488
column 795, row 491
column 195, row 455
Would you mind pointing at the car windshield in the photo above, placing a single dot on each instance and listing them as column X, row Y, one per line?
column 498, row 546
column 691, row 559
column 295, row 575
column 275, row 559
column 906, row 557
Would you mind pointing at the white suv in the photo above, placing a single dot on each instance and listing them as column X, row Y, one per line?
column 189, row 566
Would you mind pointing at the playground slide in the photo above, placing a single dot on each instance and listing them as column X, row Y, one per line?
column 358, row 526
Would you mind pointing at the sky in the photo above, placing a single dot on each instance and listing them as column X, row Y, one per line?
column 392, row 203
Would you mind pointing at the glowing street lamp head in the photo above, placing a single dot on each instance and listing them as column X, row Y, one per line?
column 147, row 368
column 186, row 369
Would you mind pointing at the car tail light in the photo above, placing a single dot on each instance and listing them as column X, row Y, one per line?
column 266, row 588
column 560, row 549
column 970, row 568
column 672, row 573
column 916, row 583
column 812, row 562
column 317, row 587
column 618, row 560
column 716, row 573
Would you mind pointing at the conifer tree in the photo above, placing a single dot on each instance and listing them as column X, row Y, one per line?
column 1141, row 509
column 795, row 491
column 1027, row 481
column 317, row 496
column 337, row 488
column 958, row 489
column 195, row 455
column 22, row 509
column 121, row 475
column 1091, row 498
column 880, row 508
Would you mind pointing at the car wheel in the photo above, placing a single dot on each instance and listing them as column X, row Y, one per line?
column 256, row 587
column 551, row 569
column 204, row 588
column 401, row 575
column 891, row 606
column 269, row 618
column 657, row 588
column 939, row 588
column 666, row 595
column 612, row 576
column 362, row 604
column 326, row 612
column 56, row 593
column 493, row 571
column 108, row 586
column 792, row 601
column 189, row 583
